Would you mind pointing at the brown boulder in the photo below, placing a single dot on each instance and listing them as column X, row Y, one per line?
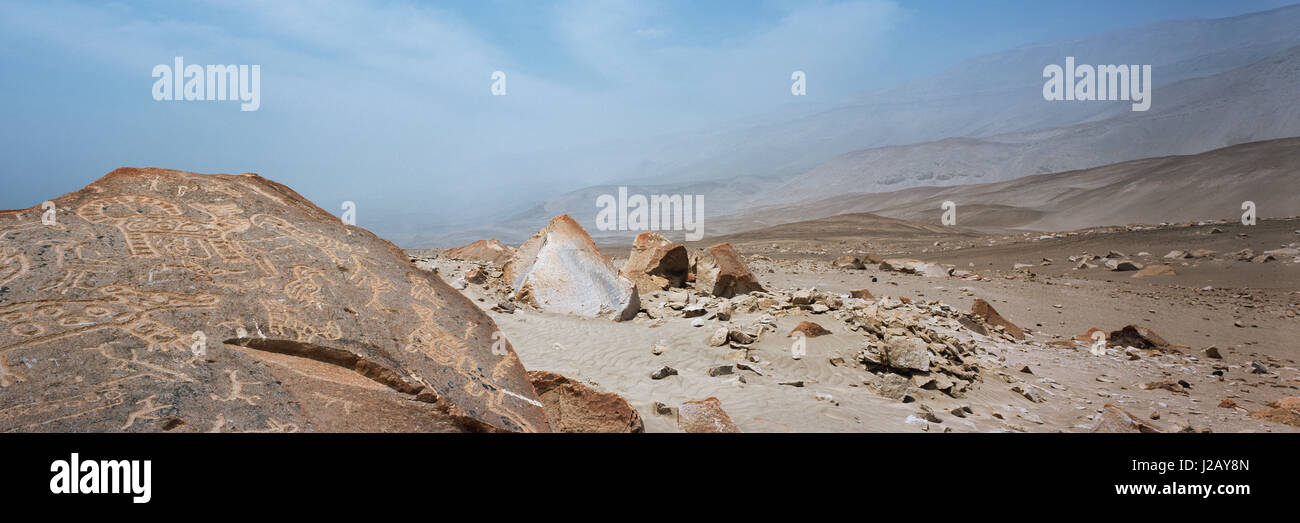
column 162, row 300
column 809, row 329
column 488, row 251
column 990, row 315
column 656, row 263
column 559, row 269
column 704, row 416
column 574, row 407
column 720, row 272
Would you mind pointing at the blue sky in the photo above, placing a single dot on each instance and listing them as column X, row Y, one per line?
column 389, row 103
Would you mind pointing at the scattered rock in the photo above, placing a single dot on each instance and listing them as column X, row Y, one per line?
column 719, row 337
column 1169, row 385
column 705, row 416
column 574, row 407
column 662, row 373
column 809, row 329
column 1123, row 265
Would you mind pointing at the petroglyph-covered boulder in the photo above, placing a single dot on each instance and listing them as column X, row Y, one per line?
column 656, row 263
column 559, row 269
column 719, row 271
column 488, row 251
column 159, row 300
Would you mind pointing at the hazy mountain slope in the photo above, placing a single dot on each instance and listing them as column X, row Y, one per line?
column 1167, row 189
column 1252, row 103
column 989, row 95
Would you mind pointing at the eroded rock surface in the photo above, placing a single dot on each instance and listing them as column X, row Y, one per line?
column 160, row 300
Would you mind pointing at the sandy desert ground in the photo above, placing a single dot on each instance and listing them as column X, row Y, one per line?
column 1235, row 305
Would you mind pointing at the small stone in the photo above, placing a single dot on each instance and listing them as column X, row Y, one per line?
column 662, row 373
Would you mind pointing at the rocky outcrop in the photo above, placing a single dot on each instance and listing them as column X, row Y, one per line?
column 574, row 407
column 559, row 269
column 486, row 251
column 720, row 272
column 160, row 300
column 656, row 263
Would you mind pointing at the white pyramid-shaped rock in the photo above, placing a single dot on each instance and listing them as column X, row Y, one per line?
column 559, row 269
